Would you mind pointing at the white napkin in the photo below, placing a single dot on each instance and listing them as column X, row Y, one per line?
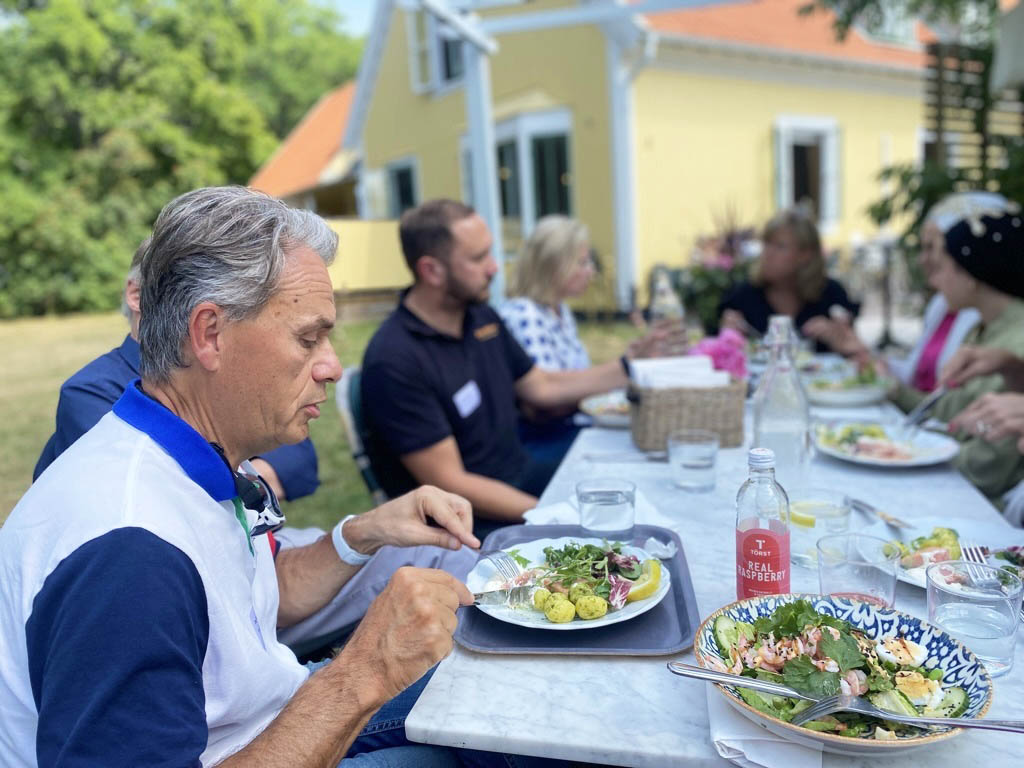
column 568, row 513
column 745, row 743
column 694, row 371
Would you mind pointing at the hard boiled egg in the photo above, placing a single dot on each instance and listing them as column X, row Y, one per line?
column 899, row 650
column 920, row 690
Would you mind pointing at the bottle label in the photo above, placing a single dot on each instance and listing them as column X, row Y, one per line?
column 762, row 562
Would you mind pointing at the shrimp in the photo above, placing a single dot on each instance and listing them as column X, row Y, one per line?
column 857, row 682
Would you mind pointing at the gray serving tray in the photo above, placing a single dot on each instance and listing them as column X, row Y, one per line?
column 667, row 628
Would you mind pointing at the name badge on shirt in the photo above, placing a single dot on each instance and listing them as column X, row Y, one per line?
column 485, row 332
column 467, row 399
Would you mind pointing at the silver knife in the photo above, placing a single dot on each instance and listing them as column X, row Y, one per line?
column 627, row 456
column 885, row 517
column 688, row 670
column 511, row 595
column 916, row 415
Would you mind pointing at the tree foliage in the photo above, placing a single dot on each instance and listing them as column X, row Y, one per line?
column 109, row 108
column 916, row 188
column 969, row 20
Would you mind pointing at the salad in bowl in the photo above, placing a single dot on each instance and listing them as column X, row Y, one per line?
column 827, row 645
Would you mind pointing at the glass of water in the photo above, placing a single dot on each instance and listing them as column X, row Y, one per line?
column 607, row 506
column 859, row 567
column 691, row 458
column 813, row 513
column 979, row 605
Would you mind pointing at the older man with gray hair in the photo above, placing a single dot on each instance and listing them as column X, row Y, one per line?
column 140, row 584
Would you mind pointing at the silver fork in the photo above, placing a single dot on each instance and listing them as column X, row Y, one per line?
column 509, row 570
column 850, row 703
column 975, row 553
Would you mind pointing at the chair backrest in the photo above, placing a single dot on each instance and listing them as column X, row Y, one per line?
column 348, row 397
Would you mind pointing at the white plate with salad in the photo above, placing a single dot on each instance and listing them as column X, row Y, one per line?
column 609, row 410
column 934, row 540
column 877, row 445
column 824, row 645
column 597, row 583
column 848, row 392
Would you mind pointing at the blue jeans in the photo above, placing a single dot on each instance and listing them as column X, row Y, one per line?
column 382, row 742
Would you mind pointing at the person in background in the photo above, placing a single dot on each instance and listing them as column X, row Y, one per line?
column 291, row 470
column 556, row 264
column 981, row 266
column 789, row 278
column 442, row 375
column 944, row 330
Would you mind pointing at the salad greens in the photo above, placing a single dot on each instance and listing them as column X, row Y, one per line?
column 820, row 655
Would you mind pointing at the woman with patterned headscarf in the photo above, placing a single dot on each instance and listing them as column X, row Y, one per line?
column 980, row 265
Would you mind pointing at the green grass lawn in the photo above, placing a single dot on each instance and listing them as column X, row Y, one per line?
column 42, row 352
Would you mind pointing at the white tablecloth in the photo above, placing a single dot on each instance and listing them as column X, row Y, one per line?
column 632, row 711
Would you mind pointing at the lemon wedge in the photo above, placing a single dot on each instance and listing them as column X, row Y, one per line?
column 647, row 584
column 804, row 520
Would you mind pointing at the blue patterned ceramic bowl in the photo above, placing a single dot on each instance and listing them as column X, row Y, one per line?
column 959, row 666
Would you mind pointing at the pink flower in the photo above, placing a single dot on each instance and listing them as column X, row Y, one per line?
column 727, row 352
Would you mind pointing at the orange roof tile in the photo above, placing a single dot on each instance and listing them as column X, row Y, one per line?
column 776, row 24
column 303, row 155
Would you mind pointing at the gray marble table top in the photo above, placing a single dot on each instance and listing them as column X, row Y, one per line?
column 631, row 711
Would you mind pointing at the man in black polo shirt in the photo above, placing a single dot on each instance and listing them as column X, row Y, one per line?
column 441, row 375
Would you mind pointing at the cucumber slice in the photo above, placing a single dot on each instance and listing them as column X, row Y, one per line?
column 762, row 702
column 893, row 701
column 727, row 634
column 954, row 704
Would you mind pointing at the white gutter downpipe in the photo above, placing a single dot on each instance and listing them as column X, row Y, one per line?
column 483, row 165
column 623, row 163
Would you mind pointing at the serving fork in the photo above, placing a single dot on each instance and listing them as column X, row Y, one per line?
column 850, row 703
column 977, row 554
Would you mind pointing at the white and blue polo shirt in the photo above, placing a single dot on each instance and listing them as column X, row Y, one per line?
column 137, row 616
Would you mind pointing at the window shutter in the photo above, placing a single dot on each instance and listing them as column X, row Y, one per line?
column 782, row 140
column 418, row 29
column 831, row 177
column 373, row 188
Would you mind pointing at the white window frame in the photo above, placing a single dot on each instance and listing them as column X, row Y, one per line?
column 412, row 163
column 522, row 129
column 924, row 136
column 432, row 80
column 791, row 129
column 438, row 33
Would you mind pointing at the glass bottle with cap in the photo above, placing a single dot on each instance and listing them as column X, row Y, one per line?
column 762, row 530
column 781, row 414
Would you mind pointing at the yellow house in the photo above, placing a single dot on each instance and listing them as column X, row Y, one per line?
column 650, row 129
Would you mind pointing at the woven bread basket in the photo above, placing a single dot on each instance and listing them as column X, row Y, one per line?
column 657, row 412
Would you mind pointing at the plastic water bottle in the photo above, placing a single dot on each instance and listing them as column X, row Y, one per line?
column 762, row 530
column 781, row 415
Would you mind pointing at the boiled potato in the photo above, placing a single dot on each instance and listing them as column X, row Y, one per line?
column 591, row 607
column 576, row 591
column 559, row 611
column 540, row 597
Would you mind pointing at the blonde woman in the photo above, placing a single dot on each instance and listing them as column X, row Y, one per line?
column 555, row 265
column 789, row 279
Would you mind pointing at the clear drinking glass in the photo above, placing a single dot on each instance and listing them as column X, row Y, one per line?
column 691, row 458
column 813, row 513
column 607, row 506
column 979, row 605
column 857, row 566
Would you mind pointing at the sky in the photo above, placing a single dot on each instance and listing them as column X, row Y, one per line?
column 357, row 13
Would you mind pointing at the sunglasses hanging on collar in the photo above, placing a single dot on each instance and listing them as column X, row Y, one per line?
column 257, row 496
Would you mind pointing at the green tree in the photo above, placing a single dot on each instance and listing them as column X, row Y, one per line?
column 917, row 187
column 109, row 108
